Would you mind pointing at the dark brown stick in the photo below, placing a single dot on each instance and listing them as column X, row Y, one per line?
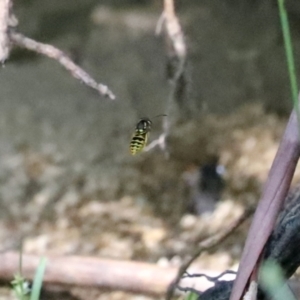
column 275, row 191
column 58, row 55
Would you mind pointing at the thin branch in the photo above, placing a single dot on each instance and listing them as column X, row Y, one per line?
column 176, row 52
column 58, row 55
column 175, row 35
column 214, row 279
column 209, row 278
column 188, row 290
column 160, row 23
column 205, row 245
column 4, row 24
column 160, row 141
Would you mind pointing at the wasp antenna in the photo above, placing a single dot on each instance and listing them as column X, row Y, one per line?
column 162, row 115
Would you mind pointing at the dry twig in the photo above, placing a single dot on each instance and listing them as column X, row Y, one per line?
column 52, row 52
column 107, row 274
column 176, row 61
column 175, row 36
column 4, row 23
column 205, row 245
column 9, row 37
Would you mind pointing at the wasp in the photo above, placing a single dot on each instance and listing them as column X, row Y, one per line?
column 140, row 137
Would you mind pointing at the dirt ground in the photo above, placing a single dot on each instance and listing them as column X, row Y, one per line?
column 76, row 222
column 68, row 184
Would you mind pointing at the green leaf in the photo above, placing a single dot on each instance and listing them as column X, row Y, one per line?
column 273, row 281
column 192, row 296
column 289, row 55
column 38, row 280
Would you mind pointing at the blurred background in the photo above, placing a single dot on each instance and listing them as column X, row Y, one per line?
column 68, row 182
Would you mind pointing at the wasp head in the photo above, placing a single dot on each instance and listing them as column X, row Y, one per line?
column 144, row 125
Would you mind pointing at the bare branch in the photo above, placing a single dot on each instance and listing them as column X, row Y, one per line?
column 176, row 52
column 58, row 55
column 160, row 141
column 160, row 23
column 80, row 271
column 175, row 34
column 4, row 24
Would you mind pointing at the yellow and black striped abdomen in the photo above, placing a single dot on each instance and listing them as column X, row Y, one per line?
column 138, row 142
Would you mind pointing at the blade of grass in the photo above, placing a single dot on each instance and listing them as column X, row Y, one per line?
column 38, row 280
column 19, row 284
column 20, row 268
column 192, row 296
column 273, row 281
column 289, row 55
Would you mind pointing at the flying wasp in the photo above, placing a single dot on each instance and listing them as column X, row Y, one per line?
column 140, row 137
